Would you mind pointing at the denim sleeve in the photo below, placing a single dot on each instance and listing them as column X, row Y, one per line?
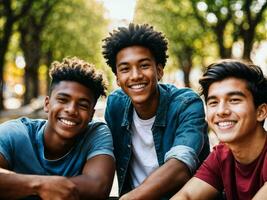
column 185, row 154
column 189, row 137
column 101, row 142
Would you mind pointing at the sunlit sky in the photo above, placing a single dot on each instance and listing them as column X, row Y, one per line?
column 120, row 9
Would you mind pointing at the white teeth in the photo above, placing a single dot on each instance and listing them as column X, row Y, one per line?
column 226, row 124
column 138, row 86
column 67, row 122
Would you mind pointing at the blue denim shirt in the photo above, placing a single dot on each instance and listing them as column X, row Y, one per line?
column 179, row 130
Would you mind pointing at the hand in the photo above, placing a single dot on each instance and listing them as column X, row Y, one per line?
column 57, row 188
column 129, row 196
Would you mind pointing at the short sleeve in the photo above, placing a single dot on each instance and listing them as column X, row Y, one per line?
column 11, row 133
column 209, row 171
column 100, row 140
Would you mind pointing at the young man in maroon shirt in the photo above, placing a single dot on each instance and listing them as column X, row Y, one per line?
column 236, row 100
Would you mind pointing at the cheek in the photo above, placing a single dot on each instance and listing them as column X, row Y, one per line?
column 210, row 115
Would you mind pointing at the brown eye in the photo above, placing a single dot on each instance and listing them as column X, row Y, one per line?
column 84, row 106
column 235, row 100
column 212, row 103
column 61, row 100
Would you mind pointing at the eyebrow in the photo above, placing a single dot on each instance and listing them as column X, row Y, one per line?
column 141, row 60
column 234, row 93
column 80, row 99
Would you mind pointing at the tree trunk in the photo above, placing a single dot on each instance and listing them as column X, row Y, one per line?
column 3, row 49
column 30, row 43
column 186, row 63
column 48, row 61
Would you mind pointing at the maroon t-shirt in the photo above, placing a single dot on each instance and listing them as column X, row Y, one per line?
column 238, row 181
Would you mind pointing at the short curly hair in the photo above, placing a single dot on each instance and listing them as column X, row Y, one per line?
column 228, row 68
column 75, row 69
column 143, row 35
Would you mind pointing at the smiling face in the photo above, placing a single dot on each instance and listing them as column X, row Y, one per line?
column 70, row 107
column 231, row 112
column 138, row 75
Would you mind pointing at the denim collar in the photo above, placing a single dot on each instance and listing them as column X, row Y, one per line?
column 161, row 115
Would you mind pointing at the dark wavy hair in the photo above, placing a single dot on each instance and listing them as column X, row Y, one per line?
column 252, row 74
column 143, row 35
column 75, row 69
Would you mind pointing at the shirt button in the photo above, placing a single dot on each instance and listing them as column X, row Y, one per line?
column 129, row 146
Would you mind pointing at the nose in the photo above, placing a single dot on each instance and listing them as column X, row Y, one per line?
column 136, row 73
column 71, row 108
column 223, row 109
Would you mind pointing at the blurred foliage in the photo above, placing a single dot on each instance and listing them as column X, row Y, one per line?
column 10, row 13
column 187, row 39
column 47, row 30
column 232, row 21
column 201, row 31
column 76, row 28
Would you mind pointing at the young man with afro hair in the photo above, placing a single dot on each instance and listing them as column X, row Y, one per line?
column 159, row 131
column 68, row 156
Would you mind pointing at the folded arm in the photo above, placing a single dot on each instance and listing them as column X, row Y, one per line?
column 262, row 193
column 196, row 189
column 94, row 183
column 168, row 178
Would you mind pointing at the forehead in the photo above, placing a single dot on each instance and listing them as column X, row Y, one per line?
column 134, row 53
column 228, row 86
column 73, row 89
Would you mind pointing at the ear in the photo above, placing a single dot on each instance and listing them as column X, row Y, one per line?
column 46, row 104
column 262, row 112
column 117, row 80
column 92, row 114
column 160, row 71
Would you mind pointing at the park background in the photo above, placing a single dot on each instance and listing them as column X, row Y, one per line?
column 34, row 33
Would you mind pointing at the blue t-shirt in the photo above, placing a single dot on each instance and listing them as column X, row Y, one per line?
column 21, row 144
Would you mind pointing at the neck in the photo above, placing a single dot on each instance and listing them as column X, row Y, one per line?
column 249, row 149
column 55, row 147
column 148, row 110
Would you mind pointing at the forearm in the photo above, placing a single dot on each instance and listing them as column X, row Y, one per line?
column 15, row 186
column 96, row 179
column 90, row 187
column 168, row 178
column 262, row 193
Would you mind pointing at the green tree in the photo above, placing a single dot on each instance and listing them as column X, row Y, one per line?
column 231, row 21
column 76, row 28
column 175, row 19
column 31, row 28
column 56, row 29
column 10, row 12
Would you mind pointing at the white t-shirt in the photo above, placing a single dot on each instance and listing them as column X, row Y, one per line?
column 144, row 160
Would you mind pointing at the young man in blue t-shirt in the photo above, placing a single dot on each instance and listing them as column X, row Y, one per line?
column 159, row 131
column 68, row 156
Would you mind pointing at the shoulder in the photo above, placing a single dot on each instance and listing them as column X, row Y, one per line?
column 98, row 132
column 185, row 95
column 182, row 100
column 21, row 127
column 98, row 139
column 117, row 94
column 222, row 153
column 16, row 125
column 117, row 103
column 98, row 127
